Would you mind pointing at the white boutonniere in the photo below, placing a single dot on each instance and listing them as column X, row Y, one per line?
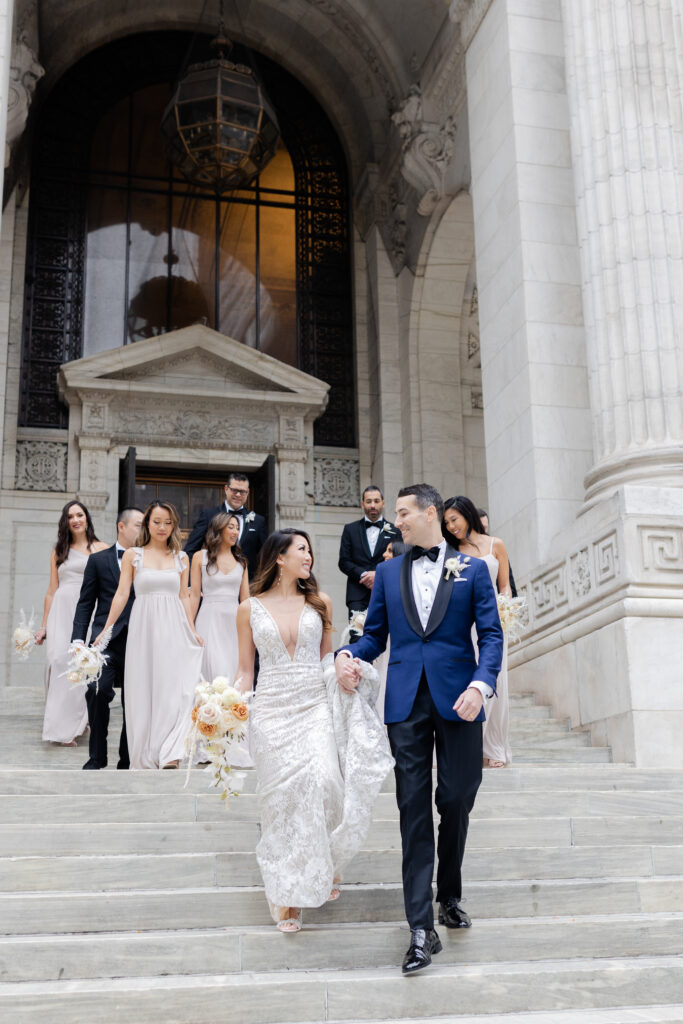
column 387, row 528
column 456, row 566
column 250, row 517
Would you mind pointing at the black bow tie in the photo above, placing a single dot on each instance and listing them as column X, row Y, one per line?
column 368, row 524
column 119, row 553
column 431, row 553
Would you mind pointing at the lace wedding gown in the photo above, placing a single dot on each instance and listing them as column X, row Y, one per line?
column 320, row 758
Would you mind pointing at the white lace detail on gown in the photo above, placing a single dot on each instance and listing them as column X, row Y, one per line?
column 312, row 823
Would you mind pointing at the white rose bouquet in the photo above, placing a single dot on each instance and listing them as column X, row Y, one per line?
column 24, row 636
column 514, row 615
column 85, row 663
column 219, row 719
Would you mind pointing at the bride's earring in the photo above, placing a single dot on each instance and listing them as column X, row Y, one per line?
column 279, row 579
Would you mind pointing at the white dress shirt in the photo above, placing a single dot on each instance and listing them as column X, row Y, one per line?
column 425, row 579
column 119, row 547
column 373, row 533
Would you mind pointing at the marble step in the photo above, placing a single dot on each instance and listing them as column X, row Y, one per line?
column 316, row 996
column 513, row 778
column 318, row 947
column 238, row 906
column 655, row 1014
column 178, row 807
column 232, row 835
column 172, row 871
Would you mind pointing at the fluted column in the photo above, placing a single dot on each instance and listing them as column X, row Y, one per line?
column 624, row 71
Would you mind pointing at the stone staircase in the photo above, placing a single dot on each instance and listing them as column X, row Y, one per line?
column 127, row 899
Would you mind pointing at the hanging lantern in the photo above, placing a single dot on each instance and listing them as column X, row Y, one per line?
column 219, row 126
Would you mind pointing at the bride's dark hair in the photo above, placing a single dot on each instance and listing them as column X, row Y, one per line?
column 268, row 570
column 468, row 510
column 214, row 539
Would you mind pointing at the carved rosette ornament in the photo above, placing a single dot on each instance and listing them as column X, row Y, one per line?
column 336, row 482
column 427, row 151
column 40, row 466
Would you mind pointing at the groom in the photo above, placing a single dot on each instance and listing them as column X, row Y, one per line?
column 434, row 695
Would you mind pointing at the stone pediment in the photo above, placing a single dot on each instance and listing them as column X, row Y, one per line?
column 195, row 360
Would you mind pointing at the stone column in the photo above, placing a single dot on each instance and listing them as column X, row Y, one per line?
column 6, row 16
column 624, row 80
column 535, row 389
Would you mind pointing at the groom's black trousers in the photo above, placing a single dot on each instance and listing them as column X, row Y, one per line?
column 459, row 770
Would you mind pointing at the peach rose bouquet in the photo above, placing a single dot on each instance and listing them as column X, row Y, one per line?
column 219, row 718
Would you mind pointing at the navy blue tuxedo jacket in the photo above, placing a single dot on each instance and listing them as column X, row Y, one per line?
column 444, row 650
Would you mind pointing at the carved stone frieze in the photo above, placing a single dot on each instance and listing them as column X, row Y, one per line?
column 606, row 553
column 427, row 150
column 189, row 427
column 579, row 573
column 336, row 481
column 41, row 466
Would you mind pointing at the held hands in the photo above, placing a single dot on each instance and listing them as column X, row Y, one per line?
column 348, row 671
column 469, row 704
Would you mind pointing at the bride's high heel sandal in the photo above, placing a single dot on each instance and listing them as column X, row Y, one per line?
column 290, row 924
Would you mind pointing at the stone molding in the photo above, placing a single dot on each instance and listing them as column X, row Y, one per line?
column 336, row 481
column 427, row 149
column 41, row 466
column 631, row 558
column 25, row 72
column 469, row 14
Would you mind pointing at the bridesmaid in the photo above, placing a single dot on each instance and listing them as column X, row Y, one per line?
column 66, row 713
column 163, row 652
column 464, row 530
column 220, row 579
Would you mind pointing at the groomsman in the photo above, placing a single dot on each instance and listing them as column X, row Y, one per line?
column 362, row 545
column 253, row 530
column 100, row 582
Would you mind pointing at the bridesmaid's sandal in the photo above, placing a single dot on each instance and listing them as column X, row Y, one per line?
column 71, row 743
column 172, row 764
column 334, row 895
column 290, row 924
column 488, row 763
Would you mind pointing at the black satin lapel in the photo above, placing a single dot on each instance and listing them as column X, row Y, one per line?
column 364, row 538
column 114, row 565
column 407, row 597
column 443, row 595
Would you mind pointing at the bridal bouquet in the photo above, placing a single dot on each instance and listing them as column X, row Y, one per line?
column 24, row 637
column 514, row 615
column 219, row 718
column 85, row 663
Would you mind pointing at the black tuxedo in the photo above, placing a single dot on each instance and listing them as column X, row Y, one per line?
column 355, row 558
column 251, row 541
column 100, row 582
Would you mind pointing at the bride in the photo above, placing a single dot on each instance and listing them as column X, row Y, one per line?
column 316, row 785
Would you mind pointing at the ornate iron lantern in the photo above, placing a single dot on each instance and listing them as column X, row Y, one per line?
column 219, row 125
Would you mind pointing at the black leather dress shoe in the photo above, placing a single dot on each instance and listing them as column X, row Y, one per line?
column 423, row 945
column 452, row 915
column 92, row 766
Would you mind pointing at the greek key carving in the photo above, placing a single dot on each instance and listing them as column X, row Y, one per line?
column 336, row 482
column 40, row 466
column 662, row 549
column 606, row 559
column 550, row 591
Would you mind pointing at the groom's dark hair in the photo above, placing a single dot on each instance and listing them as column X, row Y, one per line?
column 425, row 495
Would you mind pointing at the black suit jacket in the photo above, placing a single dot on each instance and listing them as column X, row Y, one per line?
column 252, row 540
column 100, row 583
column 355, row 557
